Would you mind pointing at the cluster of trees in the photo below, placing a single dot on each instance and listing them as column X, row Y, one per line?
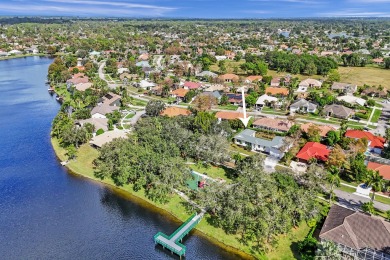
column 259, row 206
column 300, row 64
column 153, row 158
column 354, row 60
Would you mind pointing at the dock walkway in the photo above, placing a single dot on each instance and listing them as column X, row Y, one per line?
column 172, row 242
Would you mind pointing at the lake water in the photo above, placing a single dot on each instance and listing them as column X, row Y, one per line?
column 46, row 213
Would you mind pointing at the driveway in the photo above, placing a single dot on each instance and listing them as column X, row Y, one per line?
column 101, row 75
column 383, row 120
column 354, row 201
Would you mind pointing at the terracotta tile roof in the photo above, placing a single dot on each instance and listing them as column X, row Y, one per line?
column 324, row 128
column 356, row 230
column 175, row 111
column 279, row 124
column 180, row 92
column 192, row 85
column 375, row 141
column 80, row 68
column 313, row 150
column 229, row 115
column 383, row 169
column 253, row 78
column 275, row 91
column 229, row 76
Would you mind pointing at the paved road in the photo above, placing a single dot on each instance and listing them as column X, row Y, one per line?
column 101, row 75
column 353, row 201
column 157, row 60
column 384, row 118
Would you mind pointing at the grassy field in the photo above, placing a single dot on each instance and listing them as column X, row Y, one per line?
column 228, row 107
column 230, row 67
column 365, row 75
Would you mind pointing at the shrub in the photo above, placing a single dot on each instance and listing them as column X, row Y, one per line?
column 99, row 132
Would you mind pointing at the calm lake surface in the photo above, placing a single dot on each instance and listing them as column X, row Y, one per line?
column 46, row 213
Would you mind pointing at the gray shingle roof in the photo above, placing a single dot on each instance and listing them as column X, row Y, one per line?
column 303, row 103
column 249, row 136
column 356, row 230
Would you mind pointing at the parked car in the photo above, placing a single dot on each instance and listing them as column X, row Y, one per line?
column 355, row 118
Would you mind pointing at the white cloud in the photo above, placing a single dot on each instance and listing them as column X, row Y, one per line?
column 354, row 13
column 114, row 11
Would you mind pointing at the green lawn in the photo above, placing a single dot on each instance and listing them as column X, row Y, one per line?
column 239, row 149
column 131, row 115
column 376, row 115
column 272, row 111
column 212, row 171
column 287, row 244
column 227, row 107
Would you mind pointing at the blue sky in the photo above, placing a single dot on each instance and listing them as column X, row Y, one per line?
column 198, row 8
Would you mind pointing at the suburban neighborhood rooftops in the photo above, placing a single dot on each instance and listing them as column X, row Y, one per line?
column 103, row 109
column 352, row 100
column 229, row 76
column 383, row 169
column 313, row 150
column 192, row 85
column 265, row 98
column 356, row 230
column 338, row 110
column 254, row 78
column 344, row 86
column 99, row 123
column 83, row 86
column 310, row 83
column 180, row 92
column 175, row 111
column 303, row 102
column 107, row 137
column 229, row 115
column 206, row 73
column 275, row 91
column 323, row 128
column 375, row 141
column 248, row 135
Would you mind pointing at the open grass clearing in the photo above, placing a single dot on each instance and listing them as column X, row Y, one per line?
column 365, row 75
column 215, row 172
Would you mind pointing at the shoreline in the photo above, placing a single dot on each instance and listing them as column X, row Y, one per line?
column 144, row 202
column 23, row 56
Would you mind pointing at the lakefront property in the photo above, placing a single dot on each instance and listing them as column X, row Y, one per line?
column 270, row 138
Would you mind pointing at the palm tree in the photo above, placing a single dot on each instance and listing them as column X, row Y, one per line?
column 328, row 250
column 333, row 179
column 376, row 181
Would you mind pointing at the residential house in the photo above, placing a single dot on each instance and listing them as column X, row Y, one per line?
column 143, row 64
column 273, row 124
column 143, row 57
column 375, row 143
column 101, row 110
column 99, row 140
column 378, row 61
column 383, row 169
column 83, row 86
column 111, row 99
column 275, row 82
column 252, row 79
column 324, row 129
column 265, row 100
column 228, row 115
column 373, row 92
column 98, row 123
column 313, row 150
column 206, row 74
column 229, row 77
column 346, row 88
column 214, row 94
column 179, row 94
column 77, row 79
column 274, row 147
column 352, row 100
column 175, row 111
column 303, row 106
column 310, row 83
column 216, row 87
column 146, row 84
column 235, row 99
column 358, row 235
column 338, row 111
column 192, row 85
column 273, row 91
